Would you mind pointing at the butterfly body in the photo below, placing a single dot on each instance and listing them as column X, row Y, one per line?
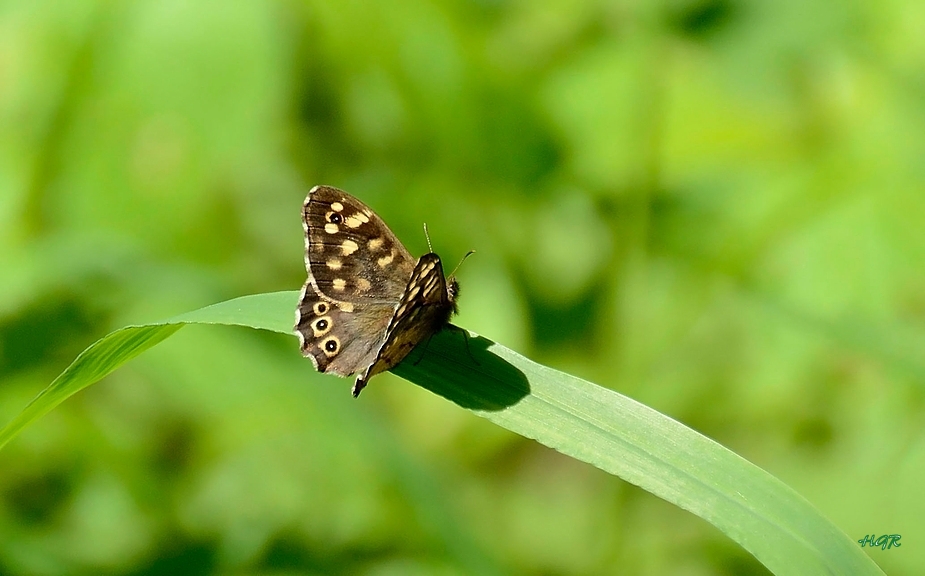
column 367, row 302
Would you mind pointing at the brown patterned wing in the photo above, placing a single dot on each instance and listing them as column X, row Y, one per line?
column 425, row 308
column 349, row 251
column 339, row 337
column 357, row 272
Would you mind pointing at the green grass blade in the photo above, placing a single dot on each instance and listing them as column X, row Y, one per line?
column 642, row 446
column 116, row 348
column 92, row 365
column 588, row 422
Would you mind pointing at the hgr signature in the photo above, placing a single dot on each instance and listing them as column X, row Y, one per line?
column 884, row 542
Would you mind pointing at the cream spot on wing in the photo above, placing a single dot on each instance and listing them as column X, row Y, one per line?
column 345, row 306
column 334, row 264
column 348, row 247
column 363, row 284
column 367, row 211
column 356, row 220
column 375, row 244
column 331, row 228
column 337, row 206
column 339, row 284
column 386, row 260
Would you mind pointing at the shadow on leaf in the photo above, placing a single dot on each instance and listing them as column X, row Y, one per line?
column 464, row 370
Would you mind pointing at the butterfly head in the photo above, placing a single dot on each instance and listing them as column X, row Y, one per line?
column 452, row 285
column 452, row 293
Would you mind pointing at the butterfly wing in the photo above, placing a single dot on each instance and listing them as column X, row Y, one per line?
column 357, row 272
column 425, row 308
column 338, row 339
column 350, row 252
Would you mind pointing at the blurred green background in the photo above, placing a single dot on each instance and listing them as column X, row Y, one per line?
column 716, row 207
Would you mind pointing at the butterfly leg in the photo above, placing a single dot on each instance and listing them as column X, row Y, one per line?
column 424, row 350
column 454, row 328
column 465, row 334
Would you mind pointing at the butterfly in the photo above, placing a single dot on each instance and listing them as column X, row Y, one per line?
column 367, row 302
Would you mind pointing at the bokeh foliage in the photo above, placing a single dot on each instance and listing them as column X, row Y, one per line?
column 715, row 207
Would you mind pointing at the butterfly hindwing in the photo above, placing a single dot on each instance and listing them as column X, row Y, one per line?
column 346, row 349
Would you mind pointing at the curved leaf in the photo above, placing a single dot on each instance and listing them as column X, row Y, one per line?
column 578, row 418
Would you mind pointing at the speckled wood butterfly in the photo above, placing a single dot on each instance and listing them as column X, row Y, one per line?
column 367, row 303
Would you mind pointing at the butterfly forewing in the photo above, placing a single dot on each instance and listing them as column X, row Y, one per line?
column 350, row 251
column 424, row 309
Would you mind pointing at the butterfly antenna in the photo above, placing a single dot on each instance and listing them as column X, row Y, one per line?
column 469, row 253
column 426, row 235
